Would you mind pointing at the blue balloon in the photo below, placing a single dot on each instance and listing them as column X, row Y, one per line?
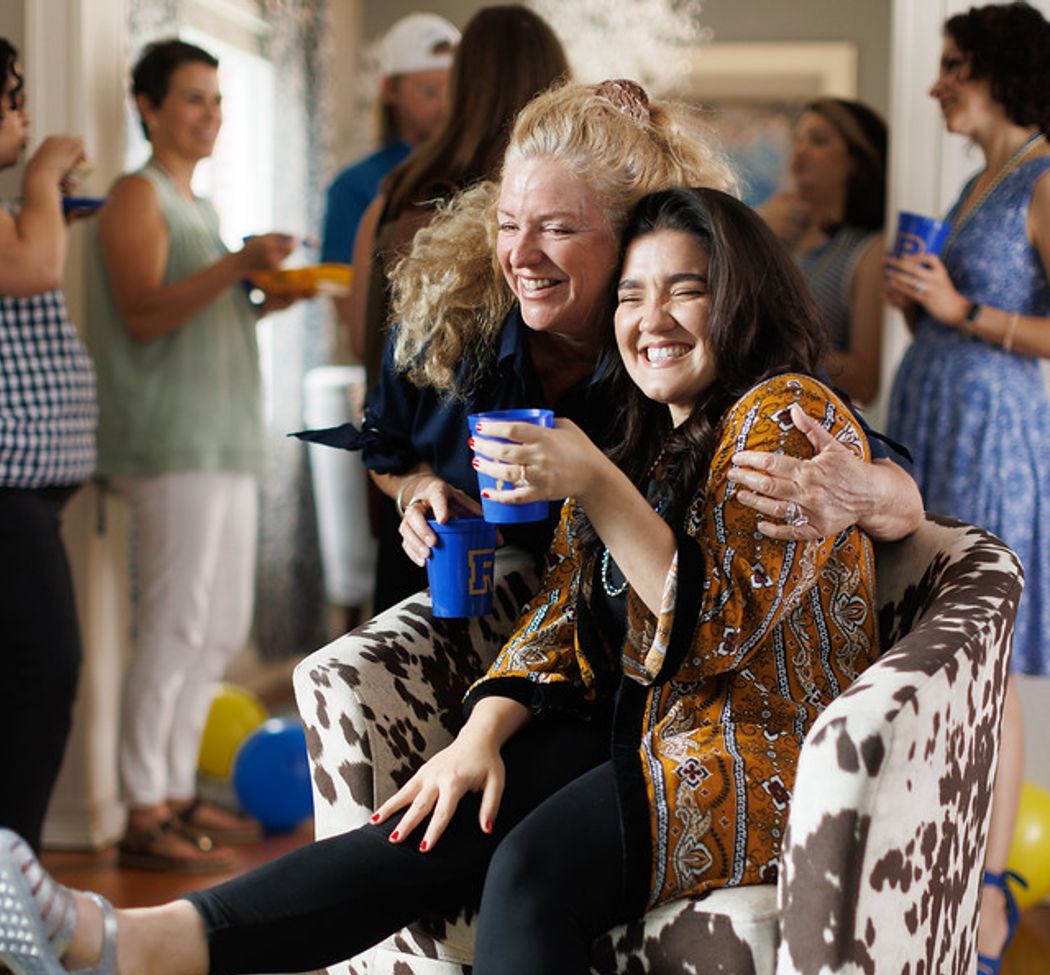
column 271, row 775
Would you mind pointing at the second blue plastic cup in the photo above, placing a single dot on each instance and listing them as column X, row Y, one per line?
column 461, row 568
column 917, row 234
column 497, row 512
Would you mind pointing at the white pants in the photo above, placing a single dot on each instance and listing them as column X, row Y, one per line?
column 195, row 537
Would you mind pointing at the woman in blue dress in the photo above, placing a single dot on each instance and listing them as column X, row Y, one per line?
column 969, row 399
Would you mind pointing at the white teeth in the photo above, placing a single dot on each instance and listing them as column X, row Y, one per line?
column 659, row 353
column 535, row 284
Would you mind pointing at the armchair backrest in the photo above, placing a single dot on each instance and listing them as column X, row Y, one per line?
column 885, row 845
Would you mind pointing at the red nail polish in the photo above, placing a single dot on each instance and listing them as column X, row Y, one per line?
column 470, row 443
column 488, row 825
column 423, row 847
column 394, row 835
column 375, row 817
column 479, row 427
column 475, row 463
column 486, row 494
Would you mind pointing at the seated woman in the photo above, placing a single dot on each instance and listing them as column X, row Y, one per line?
column 666, row 672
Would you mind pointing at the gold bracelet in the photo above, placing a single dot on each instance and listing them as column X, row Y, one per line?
column 400, row 500
column 1008, row 334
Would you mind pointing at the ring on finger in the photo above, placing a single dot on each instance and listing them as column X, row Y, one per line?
column 521, row 480
column 920, row 287
column 793, row 515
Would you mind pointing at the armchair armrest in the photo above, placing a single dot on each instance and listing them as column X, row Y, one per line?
column 382, row 699
column 885, row 846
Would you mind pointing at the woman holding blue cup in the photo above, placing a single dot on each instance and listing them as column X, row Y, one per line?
column 636, row 739
column 969, row 398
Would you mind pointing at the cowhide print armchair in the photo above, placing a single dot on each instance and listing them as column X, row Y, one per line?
column 883, row 856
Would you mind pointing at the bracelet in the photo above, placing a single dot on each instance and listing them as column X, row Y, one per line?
column 1008, row 334
column 399, row 502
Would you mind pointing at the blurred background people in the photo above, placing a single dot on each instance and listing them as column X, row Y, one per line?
column 969, row 399
column 831, row 220
column 415, row 56
column 47, row 450
column 507, row 55
column 180, row 435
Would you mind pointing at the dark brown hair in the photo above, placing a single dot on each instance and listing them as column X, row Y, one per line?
column 865, row 135
column 151, row 76
column 506, row 56
column 762, row 322
column 8, row 59
column 1007, row 45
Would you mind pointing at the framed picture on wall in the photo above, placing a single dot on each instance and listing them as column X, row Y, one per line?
column 755, row 91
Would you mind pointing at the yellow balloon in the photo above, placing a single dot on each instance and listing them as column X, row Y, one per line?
column 1030, row 849
column 235, row 713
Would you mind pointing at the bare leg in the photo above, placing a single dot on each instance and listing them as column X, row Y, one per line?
column 166, row 940
column 992, row 928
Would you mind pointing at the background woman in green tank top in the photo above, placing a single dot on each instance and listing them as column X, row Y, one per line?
column 180, row 435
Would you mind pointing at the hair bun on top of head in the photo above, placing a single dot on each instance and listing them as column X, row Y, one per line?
column 628, row 97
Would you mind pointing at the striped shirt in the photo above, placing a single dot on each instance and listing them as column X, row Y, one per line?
column 47, row 395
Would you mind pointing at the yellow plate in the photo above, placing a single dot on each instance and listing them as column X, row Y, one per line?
column 317, row 279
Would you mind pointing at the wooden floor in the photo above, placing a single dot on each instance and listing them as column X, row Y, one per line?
column 1028, row 955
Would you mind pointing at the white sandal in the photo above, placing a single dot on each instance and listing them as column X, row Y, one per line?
column 38, row 916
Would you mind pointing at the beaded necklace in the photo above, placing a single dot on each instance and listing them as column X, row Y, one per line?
column 1008, row 167
column 617, row 591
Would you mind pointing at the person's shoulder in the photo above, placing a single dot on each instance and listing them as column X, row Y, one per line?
column 372, row 167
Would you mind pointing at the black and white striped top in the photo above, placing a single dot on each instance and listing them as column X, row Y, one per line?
column 47, row 395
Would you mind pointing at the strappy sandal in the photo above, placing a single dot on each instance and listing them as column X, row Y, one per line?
column 244, row 830
column 986, row 964
column 38, row 916
column 150, row 849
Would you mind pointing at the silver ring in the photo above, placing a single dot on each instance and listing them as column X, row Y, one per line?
column 522, row 480
column 920, row 288
column 793, row 515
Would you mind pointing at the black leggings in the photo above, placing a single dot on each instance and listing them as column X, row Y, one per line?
column 549, row 879
column 39, row 654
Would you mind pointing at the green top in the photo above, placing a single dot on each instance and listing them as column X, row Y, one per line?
column 188, row 400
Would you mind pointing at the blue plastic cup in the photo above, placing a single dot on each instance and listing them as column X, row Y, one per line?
column 917, row 234
column 497, row 512
column 461, row 568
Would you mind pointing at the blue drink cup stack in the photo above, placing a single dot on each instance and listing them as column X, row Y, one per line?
column 917, row 234
column 494, row 511
column 461, row 568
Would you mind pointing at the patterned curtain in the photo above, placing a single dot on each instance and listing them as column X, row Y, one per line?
column 291, row 612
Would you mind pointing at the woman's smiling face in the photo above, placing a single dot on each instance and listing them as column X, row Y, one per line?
column 556, row 248
column 661, row 319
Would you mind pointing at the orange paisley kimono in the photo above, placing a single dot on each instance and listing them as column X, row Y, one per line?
column 715, row 693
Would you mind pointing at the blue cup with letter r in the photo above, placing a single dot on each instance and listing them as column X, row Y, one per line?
column 920, row 235
column 497, row 512
column 461, row 568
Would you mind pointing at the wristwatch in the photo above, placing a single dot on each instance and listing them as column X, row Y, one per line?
column 970, row 318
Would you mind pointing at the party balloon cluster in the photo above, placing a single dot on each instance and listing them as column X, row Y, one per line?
column 265, row 756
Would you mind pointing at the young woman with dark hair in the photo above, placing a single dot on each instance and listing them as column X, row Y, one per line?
column 969, row 398
column 831, row 220
column 664, row 671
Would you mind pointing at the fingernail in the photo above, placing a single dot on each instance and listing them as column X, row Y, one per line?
column 423, row 847
column 375, row 817
column 470, row 443
column 487, row 495
column 475, row 463
column 479, row 427
column 394, row 836
column 488, row 825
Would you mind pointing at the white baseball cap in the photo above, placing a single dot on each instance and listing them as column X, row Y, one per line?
column 418, row 42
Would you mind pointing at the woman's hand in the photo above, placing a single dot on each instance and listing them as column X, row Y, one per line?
column 544, row 464
column 923, row 280
column 264, row 252
column 472, row 763
column 830, row 492
column 429, row 496
column 55, row 159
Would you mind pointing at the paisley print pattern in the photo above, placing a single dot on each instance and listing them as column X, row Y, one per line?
column 718, row 734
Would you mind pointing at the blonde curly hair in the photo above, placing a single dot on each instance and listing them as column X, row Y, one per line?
column 449, row 294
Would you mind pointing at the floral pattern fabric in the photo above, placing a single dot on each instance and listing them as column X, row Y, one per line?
column 753, row 639
column 976, row 417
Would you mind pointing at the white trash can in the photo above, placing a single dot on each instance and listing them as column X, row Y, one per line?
column 333, row 395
